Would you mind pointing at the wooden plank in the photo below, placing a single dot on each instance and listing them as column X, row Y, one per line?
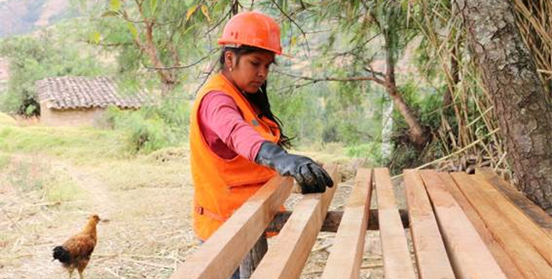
column 502, row 258
column 530, row 209
column 397, row 262
column 431, row 255
column 468, row 253
column 523, row 254
column 346, row 257
column 221, row 254
column 287, row 256
column 333, row 219
column 532, row 233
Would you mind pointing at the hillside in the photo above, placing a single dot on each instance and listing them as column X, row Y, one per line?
column 19, row 17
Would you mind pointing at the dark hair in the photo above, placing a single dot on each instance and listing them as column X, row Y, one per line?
column 259, row 99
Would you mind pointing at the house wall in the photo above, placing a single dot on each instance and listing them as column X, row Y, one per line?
column 70, row 117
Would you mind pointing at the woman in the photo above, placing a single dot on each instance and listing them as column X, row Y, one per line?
column 236, row 142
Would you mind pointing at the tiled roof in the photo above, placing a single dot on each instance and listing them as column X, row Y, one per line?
column 85, row 92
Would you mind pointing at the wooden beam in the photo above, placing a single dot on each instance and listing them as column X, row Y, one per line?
column 333, row 219
column 469, row 254
column 431, row 255
column 532, row 233
column 523, row 254
column 287, row 256
column 530, row 209
column 346, row 257
column 397, row 262
column 502, row 258
column 221, row 254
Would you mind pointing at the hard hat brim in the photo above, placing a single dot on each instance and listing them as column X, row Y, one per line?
column 226, row 43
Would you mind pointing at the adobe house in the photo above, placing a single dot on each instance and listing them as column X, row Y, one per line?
column 81, row 101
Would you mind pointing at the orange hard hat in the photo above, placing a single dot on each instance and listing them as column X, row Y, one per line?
column 252, row 29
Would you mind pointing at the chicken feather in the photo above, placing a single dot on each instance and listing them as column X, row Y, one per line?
column 75, row 252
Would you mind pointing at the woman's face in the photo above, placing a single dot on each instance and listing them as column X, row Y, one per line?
column 251, row 71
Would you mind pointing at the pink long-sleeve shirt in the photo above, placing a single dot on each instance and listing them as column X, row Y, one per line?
column 225, row 130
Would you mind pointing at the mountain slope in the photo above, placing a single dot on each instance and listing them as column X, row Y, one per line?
column 18, row 17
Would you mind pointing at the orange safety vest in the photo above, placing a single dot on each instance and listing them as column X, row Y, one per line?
column 223, row 185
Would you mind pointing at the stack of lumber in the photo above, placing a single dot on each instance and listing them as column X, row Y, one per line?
column 461, row 226
column 521, row 244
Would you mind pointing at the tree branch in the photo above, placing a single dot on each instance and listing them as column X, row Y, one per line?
column 105, row 44
column 149, row 46
column 341, row 79
column 359, row 46
column 184, row 66
column 375, row 73
column 293, row 21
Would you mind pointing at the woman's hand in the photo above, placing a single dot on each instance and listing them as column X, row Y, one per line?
column 311, row 177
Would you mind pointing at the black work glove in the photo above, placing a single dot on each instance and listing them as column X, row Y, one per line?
column 311, row 177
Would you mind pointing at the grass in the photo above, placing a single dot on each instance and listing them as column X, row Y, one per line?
column 4, row 160
column 25, row 177
column 133, row 174
column 102, row 152
column 81, row 145
column 36, row 177
column 72, row 172
column 60, row 187
column 335, row 152
column 7, row 120
column 105, row 154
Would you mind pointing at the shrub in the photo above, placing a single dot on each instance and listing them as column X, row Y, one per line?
column 152, row 127
column 370, row 151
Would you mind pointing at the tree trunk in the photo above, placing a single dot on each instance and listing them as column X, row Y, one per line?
column 386, row 131
column 167, row 77
column 148, row 47
column 510, row 77
column 417, row 133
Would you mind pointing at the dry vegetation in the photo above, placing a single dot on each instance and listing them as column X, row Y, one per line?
column 145, row 232
column 144, row 202
column 534, row 22
column 470, row 140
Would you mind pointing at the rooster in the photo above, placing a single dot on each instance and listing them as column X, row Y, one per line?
column 76, row 251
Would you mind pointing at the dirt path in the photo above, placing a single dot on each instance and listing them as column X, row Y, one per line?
column 98, row 196
column 97, row 193
column 147, row 232
column 138, row 224
column 39, row 226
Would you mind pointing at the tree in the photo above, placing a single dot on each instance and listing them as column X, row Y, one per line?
column 33, row 58
column 509, row 74
column 369, row 25
column 158, row 35
column 390, row 20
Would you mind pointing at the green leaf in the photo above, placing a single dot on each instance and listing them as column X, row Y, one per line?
column 110, row 14
column 132, row 30
column 114, row 5
column 30, row 109
column 95, row 37
column 188, row 2
column 153, row 4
